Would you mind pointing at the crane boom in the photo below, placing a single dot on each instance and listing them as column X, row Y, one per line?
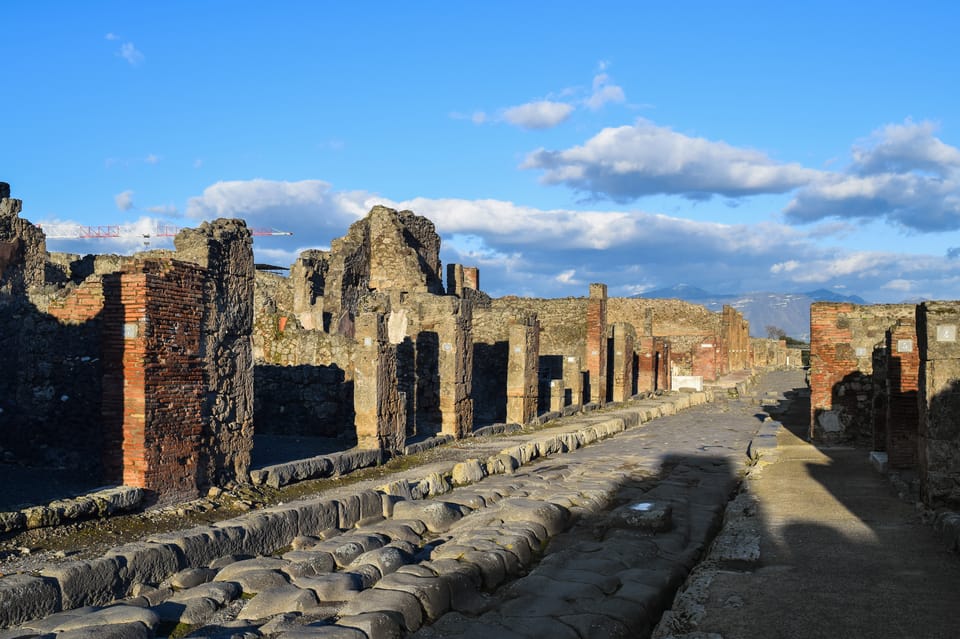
column 58, row 231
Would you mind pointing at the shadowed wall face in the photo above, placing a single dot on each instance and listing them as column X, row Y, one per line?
column 842, row 340
column 938, row 324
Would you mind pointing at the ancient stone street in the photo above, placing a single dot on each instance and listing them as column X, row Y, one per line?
column 587, row 543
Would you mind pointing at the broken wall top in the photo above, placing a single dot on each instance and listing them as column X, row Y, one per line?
column 23, row 248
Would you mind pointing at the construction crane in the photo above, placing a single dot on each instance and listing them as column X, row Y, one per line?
column 59, row 231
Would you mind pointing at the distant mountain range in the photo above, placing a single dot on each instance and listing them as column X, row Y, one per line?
column 788, row 311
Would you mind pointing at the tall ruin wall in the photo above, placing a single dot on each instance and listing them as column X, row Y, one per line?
column 843, row 337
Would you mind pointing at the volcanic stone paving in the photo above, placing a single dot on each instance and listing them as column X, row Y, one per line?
column 593, row 543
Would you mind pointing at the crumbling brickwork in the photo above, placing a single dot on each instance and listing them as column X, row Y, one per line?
column 380, row 410
column 595, row 355
column 224, row 248
column 522, row 369
column 939, row 388
column 902, row 386
column 623, row 361
column 842, row 339
column 153, row 391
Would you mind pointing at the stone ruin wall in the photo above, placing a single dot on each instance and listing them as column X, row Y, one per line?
column 889, row 375
column 938, row 436
column 58, row 331
column 843, row 338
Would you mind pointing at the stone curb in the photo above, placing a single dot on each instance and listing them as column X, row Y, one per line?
column 100, row 581
column 100, row 503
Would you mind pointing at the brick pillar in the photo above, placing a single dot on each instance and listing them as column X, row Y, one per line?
column 831, row 359
column 225, row 249
column 455, row 366
column 596, row 346
column 471, row 277
column 573, row 380
column 522, row 383
column 153, row 378
column 938, row 326
column 664, row 379
column 903, row 411
column 380, row 412
column 454, row 279
column 623, row 340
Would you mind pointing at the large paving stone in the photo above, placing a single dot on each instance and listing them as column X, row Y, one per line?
column 323, row 632
column 381, row 600
column 148, row 563
column 85, row 583
column 24, row 597
column 432, row 592
column 97, row 618
column 374, row 625
column 332, row 587
column 386, row 559
column 193, row 611
column 437, row 516
column 131, row 630
column 308, row 562
column 278, row 600
column 191, row 577
column 222, row 592
column 550, row 516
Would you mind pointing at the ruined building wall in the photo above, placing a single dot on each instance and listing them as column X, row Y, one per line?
column 938, row 324
column 50, row 387
column 153, row 378
column 842, row 340
column 668, row 317
column 901, row 383
column 224, row 248
column 303, row 379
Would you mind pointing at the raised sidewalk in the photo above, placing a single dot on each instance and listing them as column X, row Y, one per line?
column 817, row 544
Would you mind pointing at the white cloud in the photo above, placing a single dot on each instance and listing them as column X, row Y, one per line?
column 151, row 158
column 526, row 250
column 902, row 173
column 130, row 53
column 568, row 277
column 785, row 267
column 904, row 286
column 124, row 200
column 544, row 114
column 166, row 210
column 111, row 36
column 197, row 163
column 628, row 162
column 604, row 92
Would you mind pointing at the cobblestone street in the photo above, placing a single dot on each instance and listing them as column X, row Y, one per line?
column 591, row 543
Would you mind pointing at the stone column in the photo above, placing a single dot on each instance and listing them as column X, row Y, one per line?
column 454, row 279
column 455, row 366
column 938, row 324
column 596, row 346
column 380, row 412
column 225, row 249
column 471, row 277
column 623, row 340
column 902, row 386
column 573, row 380
column 522, row 383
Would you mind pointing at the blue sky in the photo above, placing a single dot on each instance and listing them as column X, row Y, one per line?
column 735, row 146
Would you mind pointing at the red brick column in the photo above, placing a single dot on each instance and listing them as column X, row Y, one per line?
column 595, row 356
column 903, row 411
column 153, row 378
column 831, row 359
column 471, row 277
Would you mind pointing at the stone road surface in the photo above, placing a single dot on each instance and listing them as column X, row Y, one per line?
column 591, row 543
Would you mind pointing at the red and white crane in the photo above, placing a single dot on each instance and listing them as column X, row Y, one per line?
column 67, row 231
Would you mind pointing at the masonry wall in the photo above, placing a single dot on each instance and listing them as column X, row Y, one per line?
column 902, row 408
column 225, row 249
column 153, row 370
column 843, row 337
column 50, row 387
column 938, row 324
